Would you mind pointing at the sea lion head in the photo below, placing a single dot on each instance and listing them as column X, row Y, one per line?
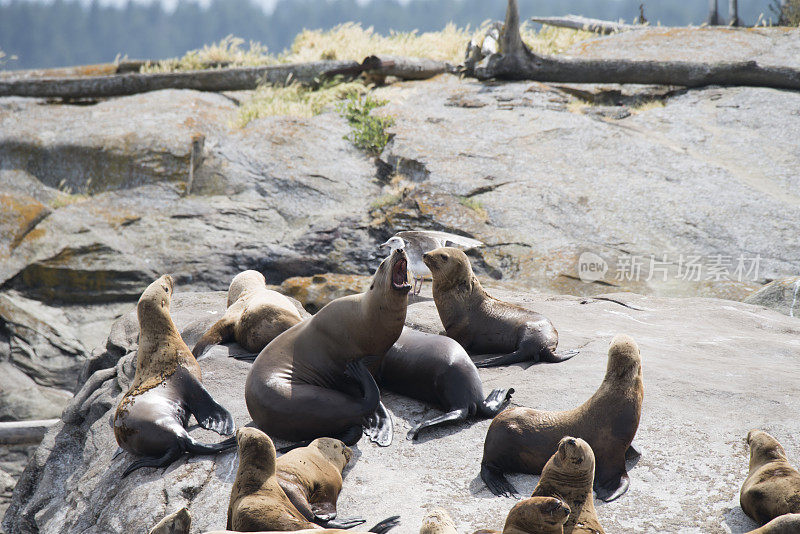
column 243, row 281
column 763, row 448
column 438, row 522
column 537, row 514
column 574, row 455
column 256, row 452
column 333, row 450
column 449, row 266
column 624, row 358
column 155, row 300
column 392, row 275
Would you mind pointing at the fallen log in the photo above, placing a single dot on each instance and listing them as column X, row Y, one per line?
column 517, row 62
column 576, row 22
column 25, row 432
column 230, row 79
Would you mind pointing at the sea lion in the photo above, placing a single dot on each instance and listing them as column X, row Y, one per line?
column 310, row 381
column 534, row 515
column 438, row 522
column 501, row 332
column 311, row 477
column 167, row 388
column 381, row 528
column 772, row 487
column 522, row 439
column 785, row 524
column 179, row 522
column 569, row 475
column 436, row 369
column 255, row 315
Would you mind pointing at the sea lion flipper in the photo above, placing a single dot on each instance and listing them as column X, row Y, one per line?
column 209, row 414
column 559, row 356
column 386, row 525
column 343, row 523
column 517, row 356
column 632, row 454
column 455, row 415
column 379, row 426
column 614, row 488
column 497, row 482
column 170, row 456
column 220, row 332
column 495, row 402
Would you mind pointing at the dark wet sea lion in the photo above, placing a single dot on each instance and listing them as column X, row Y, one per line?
column 569, row 475
column 258, row 502
column 500, row 332
column 522, row 440
column 167, row 388
column 437, row 370
column 311, row 477
column 311, row 381
column 534, row 515
column 772, row 487
column 255, row 315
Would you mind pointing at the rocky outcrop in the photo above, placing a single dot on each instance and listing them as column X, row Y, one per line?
column 781, row 295
column 698, row 359
column 316, row 291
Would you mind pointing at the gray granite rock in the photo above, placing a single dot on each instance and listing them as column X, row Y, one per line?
column 781, row 295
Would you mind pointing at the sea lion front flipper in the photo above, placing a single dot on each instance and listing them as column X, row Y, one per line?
column 379, row 426
column 614, row 488
column 220, row 332
column 209, row 414
column 455, row 415
column 170, row 456
column 497, row 483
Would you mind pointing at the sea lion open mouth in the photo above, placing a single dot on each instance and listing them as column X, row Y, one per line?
column 400, row 275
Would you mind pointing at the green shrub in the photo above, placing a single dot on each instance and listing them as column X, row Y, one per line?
column 368, row 132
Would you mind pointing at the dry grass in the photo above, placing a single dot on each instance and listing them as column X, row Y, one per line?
column 647, row 106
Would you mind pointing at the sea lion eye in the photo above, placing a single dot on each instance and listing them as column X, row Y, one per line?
column 444, row 257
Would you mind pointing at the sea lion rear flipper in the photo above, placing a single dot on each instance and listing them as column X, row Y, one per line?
column 386, row 525
column 495, row 402
column 497, row 482
column 455, row 415
column 119, row 451
column 379, row 426
column 170, row 456
column 205, row 409
column 559, row 356
column 342, row 523
column 614, row 488
column 220, row 332
column 517, row 356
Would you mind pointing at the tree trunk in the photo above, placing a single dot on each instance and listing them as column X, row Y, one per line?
column 517, row 62
column 576, row 22
column 713, row 13
column 733, row 12
column 25, row 432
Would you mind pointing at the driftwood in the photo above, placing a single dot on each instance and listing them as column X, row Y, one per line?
column 66, row 84
column 25, row 432
column 576, row 22
column 517, row 62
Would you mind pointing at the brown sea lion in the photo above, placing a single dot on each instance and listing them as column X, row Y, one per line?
column 311, row 477
column 311, row 380
column 437, row 370
column 438, row 522
column 167, row 388
column 381, row 528
column 534, row 515
column 772, row 488
column 500, row 332
column 255, row 315
column 569, row 475
column 522, row 439
column 785, row 524
column 179, row 522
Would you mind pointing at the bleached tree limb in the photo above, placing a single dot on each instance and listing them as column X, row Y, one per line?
column 25, row 432
column 576, row 22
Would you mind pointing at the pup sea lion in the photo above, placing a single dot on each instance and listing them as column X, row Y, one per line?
column 311, row 477
column 522, row 439
column 437, row 370
column 255, row 315
column 483, row 324
column 438, row 522
column 569, row 475
column 534, row 515
column 773, row 486
column 309, row 381
column 150, row 420
column 179, row 522
column 785, row 524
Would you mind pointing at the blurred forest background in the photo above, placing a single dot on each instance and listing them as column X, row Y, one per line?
column 39, row 33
